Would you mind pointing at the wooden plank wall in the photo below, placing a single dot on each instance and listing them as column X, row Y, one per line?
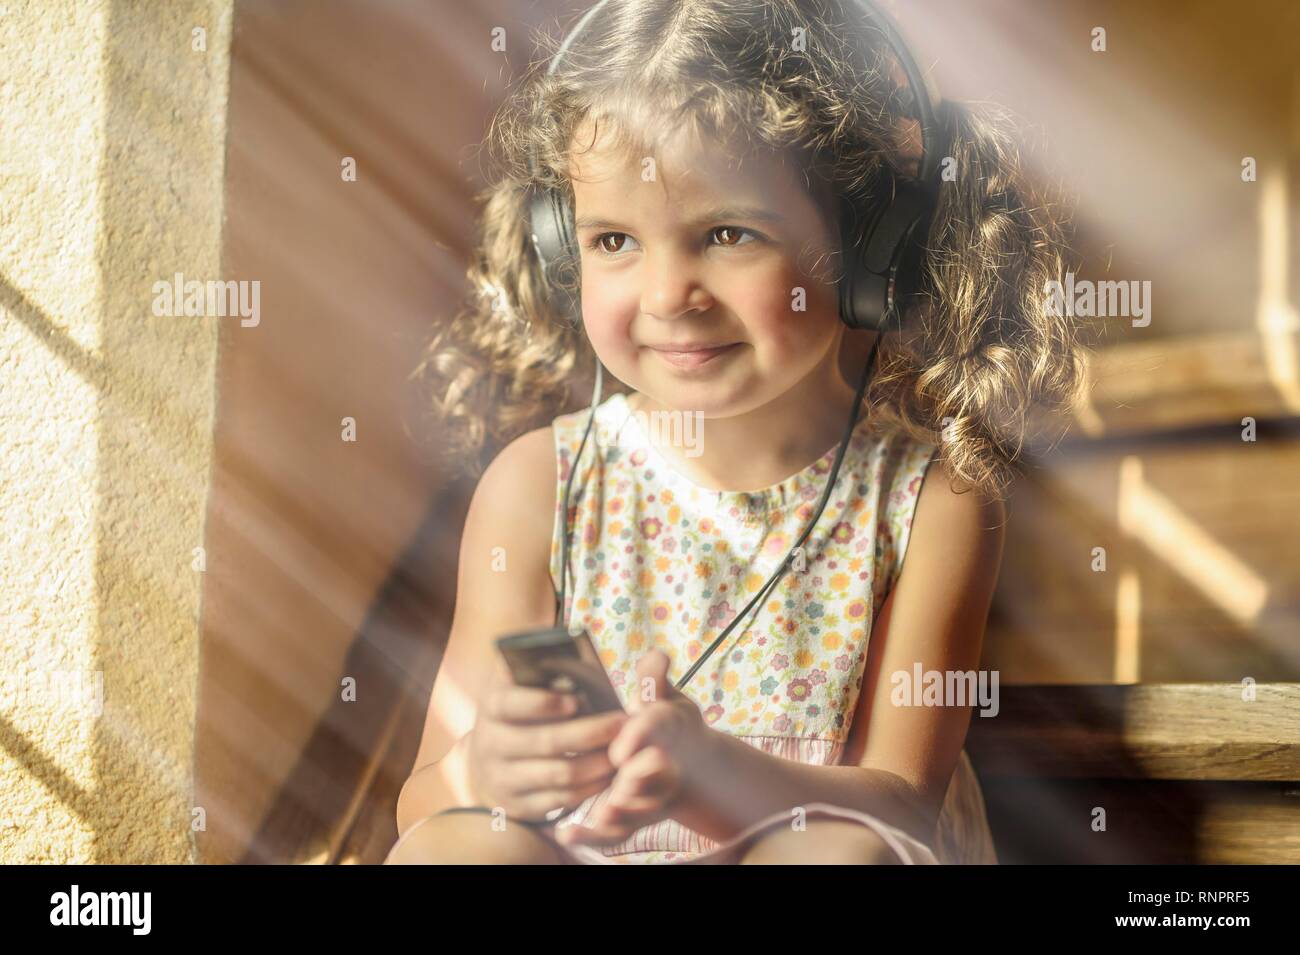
column 1201, row 577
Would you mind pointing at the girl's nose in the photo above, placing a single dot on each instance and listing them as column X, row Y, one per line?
column 672, row 286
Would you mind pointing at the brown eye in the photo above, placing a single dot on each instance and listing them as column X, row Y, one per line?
column 617, row 239
column 730, row 235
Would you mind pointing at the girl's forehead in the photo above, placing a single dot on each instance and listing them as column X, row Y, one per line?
column 683, row 162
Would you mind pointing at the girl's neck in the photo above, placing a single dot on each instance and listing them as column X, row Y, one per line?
column 755, row 450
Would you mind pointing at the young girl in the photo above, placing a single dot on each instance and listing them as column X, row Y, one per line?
column 709, row 152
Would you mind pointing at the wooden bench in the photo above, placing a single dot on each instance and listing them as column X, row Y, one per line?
column 1185, row 773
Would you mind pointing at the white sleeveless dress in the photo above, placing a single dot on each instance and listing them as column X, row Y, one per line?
column 659, row 561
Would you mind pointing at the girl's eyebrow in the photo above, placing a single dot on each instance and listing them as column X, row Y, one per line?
column 721, row 214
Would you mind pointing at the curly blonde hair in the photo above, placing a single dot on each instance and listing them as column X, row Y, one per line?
column 979, row 356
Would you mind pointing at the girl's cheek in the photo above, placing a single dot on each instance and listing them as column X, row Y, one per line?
column 777, row 326
column 608, row 320
column 612, row 348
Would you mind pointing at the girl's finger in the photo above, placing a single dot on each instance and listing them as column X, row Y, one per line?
column 531, row 775
column 641, row 730
column 529, row 704
column 648, row 773
column 637, row 804
column 602, row 828
column 537, row 804
column 578, row 735
column 612, row 822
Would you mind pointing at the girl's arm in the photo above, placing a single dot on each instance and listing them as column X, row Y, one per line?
column 503, row 584
column 748, row 784
column 898, row 760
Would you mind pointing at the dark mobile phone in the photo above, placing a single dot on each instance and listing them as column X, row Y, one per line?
column 554, row 659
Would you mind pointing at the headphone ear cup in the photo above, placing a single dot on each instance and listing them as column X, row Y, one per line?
column 909, row 269
column 545, row 230
column 863, row 293
column 551, row 229
column 883, row 270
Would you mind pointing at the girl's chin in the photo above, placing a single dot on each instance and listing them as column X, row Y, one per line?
column 710, row 402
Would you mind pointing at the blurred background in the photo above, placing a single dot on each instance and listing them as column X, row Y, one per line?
column 329, row 561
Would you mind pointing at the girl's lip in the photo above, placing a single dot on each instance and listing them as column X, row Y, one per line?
column 693, row 359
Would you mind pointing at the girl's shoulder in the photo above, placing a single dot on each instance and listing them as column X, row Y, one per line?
column 519, row 488
column 902, row 457
column 612, row 412
column 503, row 578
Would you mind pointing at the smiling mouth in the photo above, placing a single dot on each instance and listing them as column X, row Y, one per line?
column 693, row 359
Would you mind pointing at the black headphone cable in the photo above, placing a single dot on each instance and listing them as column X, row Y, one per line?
column 830, row 485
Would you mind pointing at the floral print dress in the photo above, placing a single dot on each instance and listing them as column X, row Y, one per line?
column 659, row 561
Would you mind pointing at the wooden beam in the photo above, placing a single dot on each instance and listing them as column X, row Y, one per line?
column 1177, row 383
column 1171, row 731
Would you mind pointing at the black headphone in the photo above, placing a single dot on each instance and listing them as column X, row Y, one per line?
column 882, row 271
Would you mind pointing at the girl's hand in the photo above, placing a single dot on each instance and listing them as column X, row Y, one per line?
column 529, row 754
column 659, row 750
